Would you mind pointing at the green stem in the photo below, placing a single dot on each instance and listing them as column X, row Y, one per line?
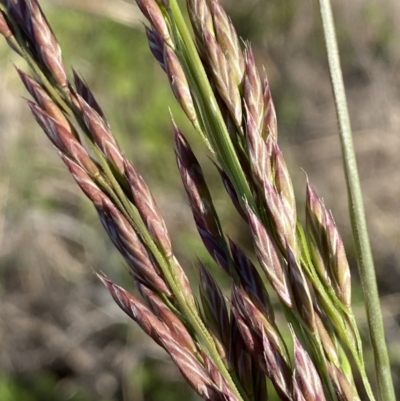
column 219, row 132
column 357, row 214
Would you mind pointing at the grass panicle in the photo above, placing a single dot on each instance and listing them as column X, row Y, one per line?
column 227, row 348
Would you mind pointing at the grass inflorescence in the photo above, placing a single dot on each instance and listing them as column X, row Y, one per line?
column 227, row 348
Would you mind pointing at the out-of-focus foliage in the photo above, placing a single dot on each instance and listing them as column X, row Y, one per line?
column 62, row 336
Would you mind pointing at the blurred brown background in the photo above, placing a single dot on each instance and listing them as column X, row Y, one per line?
column 61, row 336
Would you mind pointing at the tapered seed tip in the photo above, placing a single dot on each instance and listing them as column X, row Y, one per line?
column 107, row 282
column 22, row 74
column 34, row 107
column 204, row 273
column 28, row 81
column 76, row 76
column 249, row 56
column 253, row 219
column 310, row 192
column 177, row 132
column 40, row 115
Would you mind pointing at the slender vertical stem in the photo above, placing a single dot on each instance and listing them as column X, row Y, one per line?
column 357, row 214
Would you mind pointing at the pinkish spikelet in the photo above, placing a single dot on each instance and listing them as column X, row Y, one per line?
column 189, row 366
column 218, row 379
column 250, row 339
column 179, row 84
column 150, row 324
column 200, row 201
column 228, row 40
column 328, row 248
column 339, row 266
column 149, row 211
column 43, row 40
column 270, row 123
column 222, row 73
column 281, row 218
column 64, row 140
column 43, row 99
column 161, row 310
column 239, row 358
column 297, row 393
column 102, row 135
column 192, row 370
column 84, row 91
column 269, row 258
column 263, row 342
column 283, row 182
column 277, row 369
column 306, row 374
column 317, row 238
column 253, row 92
column 256, row 321
column 89, row 188
column 200, row 18
column 258, row 153
column 131, row 247
column 151, row 10
column 344, row 389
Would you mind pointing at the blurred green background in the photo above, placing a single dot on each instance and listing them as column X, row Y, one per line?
column 61, row 336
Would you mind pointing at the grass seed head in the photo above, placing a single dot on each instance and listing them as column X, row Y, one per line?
column 344, row 389
column 137, row 311
column 86, row 94
column 101, row 133
column 149, row 210
column 270, row 121
column 64, row 139
column 131, row 247
column 161, row 310
column 269, row 258
column 151, row 10
column 156, row 44
column 251, row 280
column 306, row 374
column 179, row 84
column 228, row 40
column 253, row 92
column 224, row 80
column 43, row 99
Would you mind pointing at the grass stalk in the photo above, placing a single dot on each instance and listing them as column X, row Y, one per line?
column 357, row 213
column 222, row 141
